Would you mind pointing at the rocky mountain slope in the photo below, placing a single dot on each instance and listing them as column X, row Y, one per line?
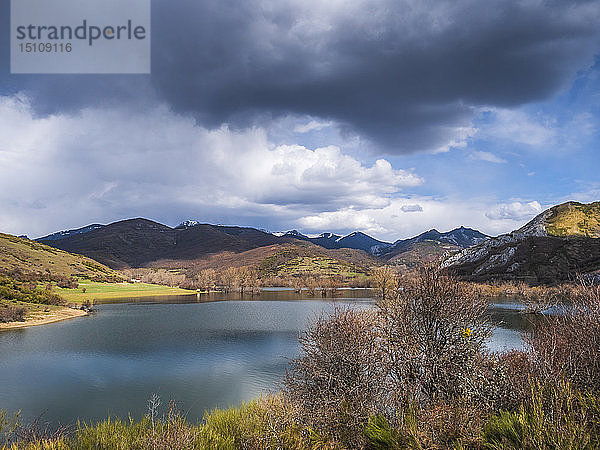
column 424, row 252
column 455, row 239
column 556, row 245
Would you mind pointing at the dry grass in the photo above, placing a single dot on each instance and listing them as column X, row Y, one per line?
column 32, row 259
column 573, row 218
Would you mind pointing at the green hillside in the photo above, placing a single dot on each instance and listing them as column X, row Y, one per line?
column 294, row 261
column 29, row 260
column 574, row 219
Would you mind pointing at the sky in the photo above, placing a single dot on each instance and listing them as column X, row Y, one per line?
column 389, row 117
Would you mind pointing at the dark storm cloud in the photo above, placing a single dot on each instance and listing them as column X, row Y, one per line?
column 407, row 74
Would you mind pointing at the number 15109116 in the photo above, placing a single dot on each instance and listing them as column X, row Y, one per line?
column 45, row 47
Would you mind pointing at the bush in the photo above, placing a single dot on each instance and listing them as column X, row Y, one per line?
column 11, row 289
column 384, row 280
column 567, row 344
column 34, row 436
column 434, row 330
column 67, row 283
column 12, row 314
column 337, row 381
column 512, row 378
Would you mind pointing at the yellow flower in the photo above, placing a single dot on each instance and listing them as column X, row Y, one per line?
column 466, row 332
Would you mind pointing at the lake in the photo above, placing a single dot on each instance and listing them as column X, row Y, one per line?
column 203, row 352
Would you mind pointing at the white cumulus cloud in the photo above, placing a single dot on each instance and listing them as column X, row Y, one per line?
column 514, row 211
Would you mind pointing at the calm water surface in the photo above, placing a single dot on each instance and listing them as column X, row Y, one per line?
column 202, row 354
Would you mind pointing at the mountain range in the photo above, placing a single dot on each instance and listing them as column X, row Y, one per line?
column 356, row 240
column 459, row 238
column 555, row 245
column 138, row 242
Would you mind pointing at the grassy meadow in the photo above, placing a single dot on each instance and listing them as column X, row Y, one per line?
column 96, row 291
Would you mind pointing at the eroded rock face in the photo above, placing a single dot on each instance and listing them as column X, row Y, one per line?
column 503, row 244
column 534, row 259
column 537, row 226
column 536, row 252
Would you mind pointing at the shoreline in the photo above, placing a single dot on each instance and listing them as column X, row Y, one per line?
column 59, row 315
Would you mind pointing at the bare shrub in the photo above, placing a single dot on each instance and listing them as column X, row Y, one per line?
column 567, row 344
column 337, row 381
column 515, row 373
column 331, row 285
column 245, row 279
column 12, row 314
column 297, row 284
column 538, row 299
column 52, row 299
column 228, row 279
column 383, row 280
column 434, row 330
column 207, row 280
column 68, row 283
column 156, row 276
column 312, row 284
column 35, row 434
column 447, row 423
column 88, row 305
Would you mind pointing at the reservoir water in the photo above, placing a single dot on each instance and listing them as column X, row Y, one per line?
column 202, row 352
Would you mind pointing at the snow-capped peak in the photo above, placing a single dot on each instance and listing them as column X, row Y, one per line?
column 188, row 223
column 354, row 233
column 326, row 235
